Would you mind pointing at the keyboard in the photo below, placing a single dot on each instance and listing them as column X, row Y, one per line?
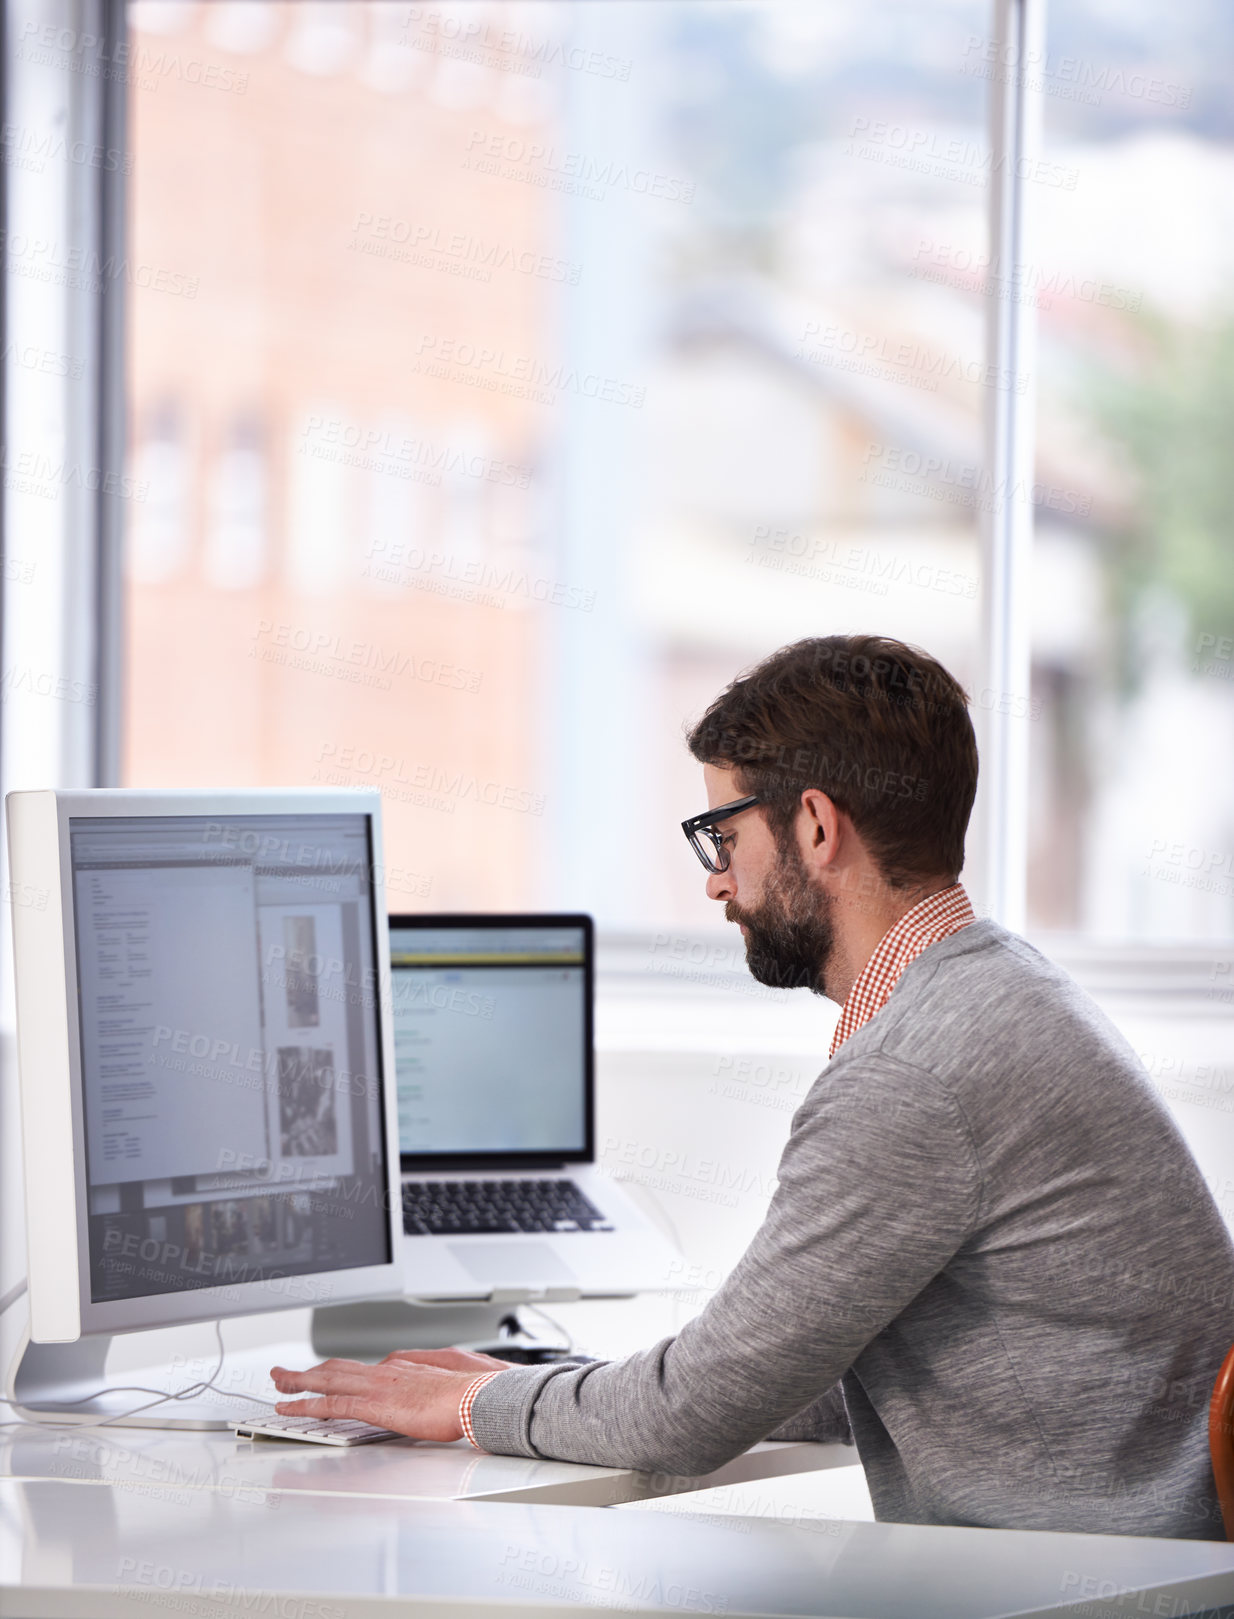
column 315, row 1430
column 471, row 1208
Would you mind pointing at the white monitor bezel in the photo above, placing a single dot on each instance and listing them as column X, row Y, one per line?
column 50, row 1069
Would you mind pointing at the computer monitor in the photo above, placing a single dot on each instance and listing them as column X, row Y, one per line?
column 205, row 1055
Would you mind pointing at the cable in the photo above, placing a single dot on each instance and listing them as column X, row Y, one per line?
column 204, row 1386
column 13, row 1294
column 557, row 1327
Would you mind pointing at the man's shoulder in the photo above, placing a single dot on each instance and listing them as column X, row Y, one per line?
column 979, row 962
column 984, row 998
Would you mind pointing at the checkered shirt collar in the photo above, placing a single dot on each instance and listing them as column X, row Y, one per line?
column 933, row 919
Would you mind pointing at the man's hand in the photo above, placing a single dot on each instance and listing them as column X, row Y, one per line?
column 413, row 1391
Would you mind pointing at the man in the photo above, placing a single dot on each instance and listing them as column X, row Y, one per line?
column 990, row 1260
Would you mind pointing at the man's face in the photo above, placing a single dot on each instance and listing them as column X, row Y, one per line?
column 786, row 918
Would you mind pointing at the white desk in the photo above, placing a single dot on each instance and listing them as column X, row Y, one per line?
column 148, row 1461
column 104, row 1552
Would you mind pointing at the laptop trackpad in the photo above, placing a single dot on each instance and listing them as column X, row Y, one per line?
column 511, row 1263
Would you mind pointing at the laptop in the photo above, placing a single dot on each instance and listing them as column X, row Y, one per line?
column 495, row 1069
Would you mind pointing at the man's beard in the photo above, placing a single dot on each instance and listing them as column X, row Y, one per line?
column 791, row 934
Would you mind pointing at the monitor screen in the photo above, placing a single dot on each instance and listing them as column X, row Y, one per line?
column 492, row 1039
column 230, row 1022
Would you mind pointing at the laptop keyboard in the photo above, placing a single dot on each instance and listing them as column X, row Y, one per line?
column 469, row 1208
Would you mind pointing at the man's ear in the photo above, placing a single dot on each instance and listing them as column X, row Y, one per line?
column 818, row 828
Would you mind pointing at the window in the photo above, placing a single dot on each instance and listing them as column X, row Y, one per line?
column 518, row 374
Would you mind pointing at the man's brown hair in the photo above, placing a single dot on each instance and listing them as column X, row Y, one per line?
column 878, row 726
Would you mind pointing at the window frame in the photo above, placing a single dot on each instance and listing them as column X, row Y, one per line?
column 1004, row 702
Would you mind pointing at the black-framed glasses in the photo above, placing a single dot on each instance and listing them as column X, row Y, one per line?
column 707, row 843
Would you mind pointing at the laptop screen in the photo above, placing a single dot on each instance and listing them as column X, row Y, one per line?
column 492, row 1037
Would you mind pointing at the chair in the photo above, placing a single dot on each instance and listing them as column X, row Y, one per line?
column 1221, row 1440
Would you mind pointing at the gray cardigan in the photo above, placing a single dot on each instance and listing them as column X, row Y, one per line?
column 989, row 1228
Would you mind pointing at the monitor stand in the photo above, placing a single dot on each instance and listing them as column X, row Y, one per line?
column 69, row 1384
column 371, row 1330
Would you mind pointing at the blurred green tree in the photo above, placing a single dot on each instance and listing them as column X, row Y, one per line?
column 1173, row 419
